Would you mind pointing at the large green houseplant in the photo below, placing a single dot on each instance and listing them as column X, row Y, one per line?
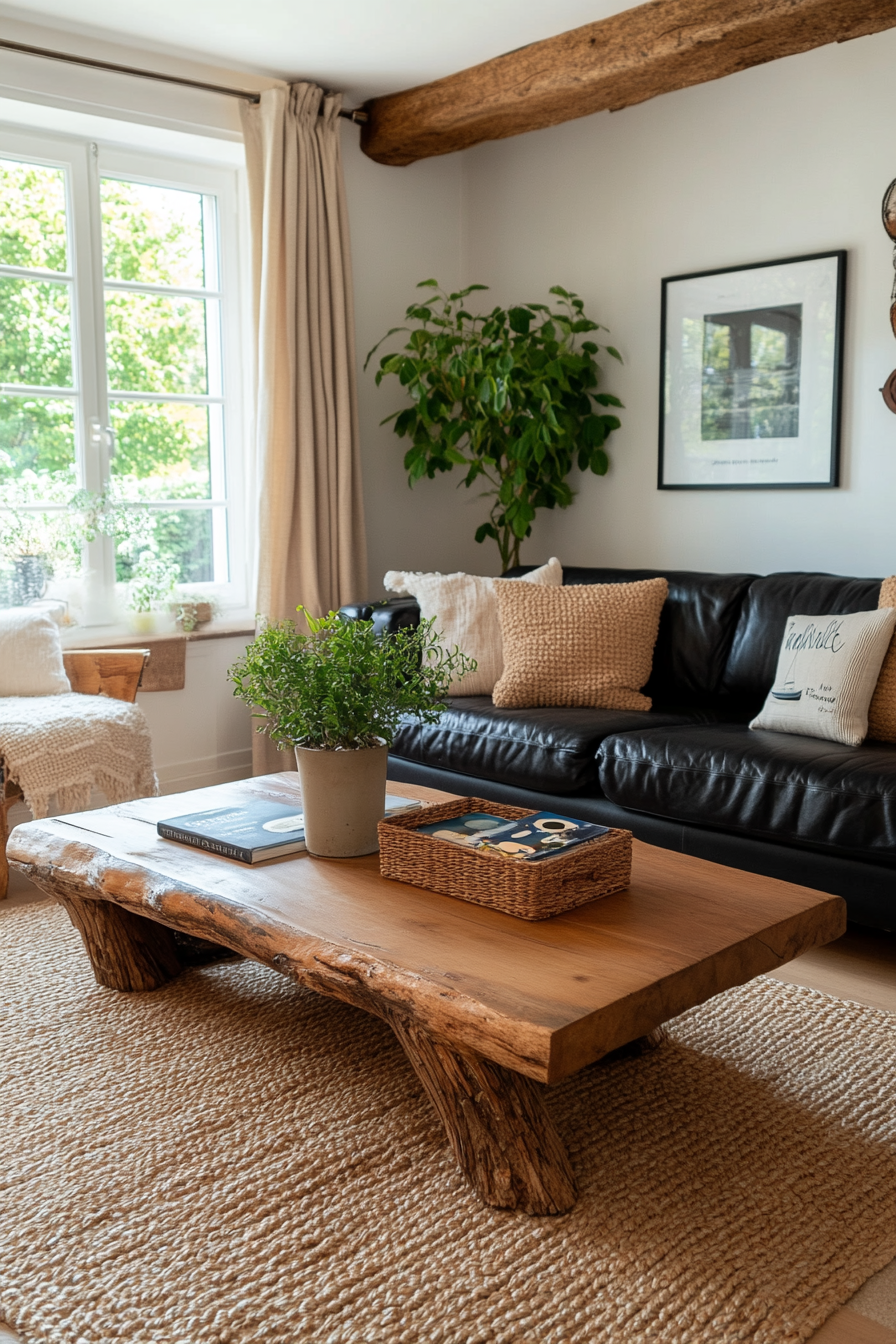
column 336, row 695
column 511, row 395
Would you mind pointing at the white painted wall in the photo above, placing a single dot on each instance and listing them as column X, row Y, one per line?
column 785, row 159
column 200, row 735
column 406, row 226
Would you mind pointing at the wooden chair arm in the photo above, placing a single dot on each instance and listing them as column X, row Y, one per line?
column 113, row 672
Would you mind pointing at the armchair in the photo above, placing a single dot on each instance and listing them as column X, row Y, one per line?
column 112, row 672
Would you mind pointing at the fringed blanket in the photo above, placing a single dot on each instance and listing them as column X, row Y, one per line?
column 62, row 745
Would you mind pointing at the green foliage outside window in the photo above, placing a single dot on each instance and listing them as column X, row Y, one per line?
column 32, row 216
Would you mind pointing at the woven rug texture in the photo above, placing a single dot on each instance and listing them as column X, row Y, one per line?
column 233, row 1159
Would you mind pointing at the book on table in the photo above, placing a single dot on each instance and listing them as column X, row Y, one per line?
column 534, row 837
column 254, row 831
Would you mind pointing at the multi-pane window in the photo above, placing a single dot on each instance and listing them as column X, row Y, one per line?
column 117, row 373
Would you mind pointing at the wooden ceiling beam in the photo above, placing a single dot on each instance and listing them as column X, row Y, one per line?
column 655, row 48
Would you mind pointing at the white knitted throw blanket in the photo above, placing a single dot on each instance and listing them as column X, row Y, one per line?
column 64, row 744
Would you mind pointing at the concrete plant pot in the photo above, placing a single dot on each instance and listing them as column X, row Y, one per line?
column 343, row 798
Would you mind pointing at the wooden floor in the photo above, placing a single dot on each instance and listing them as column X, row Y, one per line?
column 860, row 966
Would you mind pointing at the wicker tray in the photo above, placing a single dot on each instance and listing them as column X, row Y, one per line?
column 527, row 890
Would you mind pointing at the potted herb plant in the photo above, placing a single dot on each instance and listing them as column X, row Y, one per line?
column 511, row 395
column 336, row 695
column 150, row 586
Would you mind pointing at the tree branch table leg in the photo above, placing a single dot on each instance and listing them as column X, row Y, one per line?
column 501, row 1134
column 127, row 952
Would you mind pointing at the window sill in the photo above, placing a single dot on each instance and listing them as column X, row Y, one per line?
column 122, row 637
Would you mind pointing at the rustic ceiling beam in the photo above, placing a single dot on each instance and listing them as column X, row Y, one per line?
column 655, row 48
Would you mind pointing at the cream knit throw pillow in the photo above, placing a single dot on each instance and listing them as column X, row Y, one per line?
column 467, row 615
column 589, row 644
column 30, row 654
column 882, row 710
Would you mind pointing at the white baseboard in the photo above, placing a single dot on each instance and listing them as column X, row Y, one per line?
column 220, row 769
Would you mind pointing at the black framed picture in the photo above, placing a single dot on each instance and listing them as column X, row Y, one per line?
column 750, row 376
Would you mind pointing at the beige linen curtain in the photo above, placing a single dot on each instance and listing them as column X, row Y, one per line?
column 311, row 547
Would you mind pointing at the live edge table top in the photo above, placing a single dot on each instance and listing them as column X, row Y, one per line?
column 543, row 999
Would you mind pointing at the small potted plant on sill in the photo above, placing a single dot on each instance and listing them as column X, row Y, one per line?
column 150, row 587
column 336, row 695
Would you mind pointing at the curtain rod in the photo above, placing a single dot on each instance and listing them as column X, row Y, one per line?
column 353, row 114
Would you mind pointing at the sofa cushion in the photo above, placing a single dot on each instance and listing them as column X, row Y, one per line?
column 751, row 664
column 774, row 786
column 588, row 645
column 549, row 749
column 827, row 671
column 696, row 628
column 465, row 611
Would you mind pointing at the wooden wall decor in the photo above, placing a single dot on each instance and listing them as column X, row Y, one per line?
column 888, row 214
column 652, row 49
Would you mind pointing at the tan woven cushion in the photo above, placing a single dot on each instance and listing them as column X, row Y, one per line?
column 882, row 710
column 589, row 644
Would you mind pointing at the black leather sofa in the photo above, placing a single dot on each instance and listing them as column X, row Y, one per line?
column 688, row 775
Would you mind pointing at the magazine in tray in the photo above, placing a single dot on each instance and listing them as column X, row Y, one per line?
column 535, row 837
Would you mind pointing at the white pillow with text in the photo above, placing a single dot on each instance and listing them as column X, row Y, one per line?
column 827, row 671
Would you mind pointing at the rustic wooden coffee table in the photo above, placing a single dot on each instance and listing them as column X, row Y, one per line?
column 482, row 1003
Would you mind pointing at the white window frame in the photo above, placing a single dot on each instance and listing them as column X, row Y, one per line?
column 85, row 163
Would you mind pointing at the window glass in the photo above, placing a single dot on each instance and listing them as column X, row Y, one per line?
column 32, row 216
column 194, row 540
column 164, row 447
column 37, row 433
column 35, row 333
column 156, row 344
column 187, row 537
column 38, row 436
column 154, row 235
column 161, row 341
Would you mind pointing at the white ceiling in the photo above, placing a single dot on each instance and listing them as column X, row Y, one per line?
column 363, row 47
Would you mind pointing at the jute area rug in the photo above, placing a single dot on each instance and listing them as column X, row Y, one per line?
column 232, row 1159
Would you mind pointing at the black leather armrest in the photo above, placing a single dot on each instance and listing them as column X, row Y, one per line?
column 395, row 613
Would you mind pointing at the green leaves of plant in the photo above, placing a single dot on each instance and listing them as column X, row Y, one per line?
column 341, row 685
column 510, row 395
column 520, row 320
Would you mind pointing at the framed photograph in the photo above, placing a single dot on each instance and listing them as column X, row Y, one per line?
column 750, row 376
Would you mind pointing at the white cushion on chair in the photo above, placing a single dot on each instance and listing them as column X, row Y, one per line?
column 30, row 654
